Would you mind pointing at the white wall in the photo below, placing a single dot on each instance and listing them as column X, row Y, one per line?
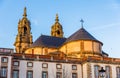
column 8, row 65
column 37, row 69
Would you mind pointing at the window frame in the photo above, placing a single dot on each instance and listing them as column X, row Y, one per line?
column 117, row 72
column 46, row 65
column 108, row 72
column 58, row 66
column 74, row 66
column 75, row 74
column 29, row 63
column 3, row 58
column 96, row 76
column 27, row 73
column 13, row 73
column 14, row 63
column 46, row 74
column 1, row 73
column 59, row 73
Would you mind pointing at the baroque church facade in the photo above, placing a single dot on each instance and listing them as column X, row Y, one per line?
column 78, row 56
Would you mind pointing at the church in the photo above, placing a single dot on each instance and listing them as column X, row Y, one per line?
column 54, row 56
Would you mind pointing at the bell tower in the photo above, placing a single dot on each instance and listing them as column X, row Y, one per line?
column 24, row 36
column 56, row 29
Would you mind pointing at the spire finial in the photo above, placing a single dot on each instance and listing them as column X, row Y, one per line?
column 25, row 14
column 56, row 18
column 82, row 21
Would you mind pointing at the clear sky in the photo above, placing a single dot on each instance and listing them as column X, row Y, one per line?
column 101, row 19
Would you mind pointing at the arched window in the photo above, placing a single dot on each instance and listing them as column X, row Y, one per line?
column 25, row 30
column 58, row 32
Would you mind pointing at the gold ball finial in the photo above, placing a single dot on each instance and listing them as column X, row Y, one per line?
column 57, row 19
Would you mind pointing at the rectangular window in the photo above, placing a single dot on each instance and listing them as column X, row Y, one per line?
column 3, row 71
column 15, row 63
column 74, row 75
column 74, row 67
column 107, row 68
column 44, row 65
column 29, row 74
column 4, row 59
column 58, row 75
column 96, row 71
column 118, row 72
column 44, row 74
column 15, row 74
column 58, row 66
column 29, row 64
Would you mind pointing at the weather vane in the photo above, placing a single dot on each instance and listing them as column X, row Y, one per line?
column 82, row 21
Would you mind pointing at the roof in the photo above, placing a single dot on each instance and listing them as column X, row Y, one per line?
column 105, row 53
column 81, row 34
column 48, row 41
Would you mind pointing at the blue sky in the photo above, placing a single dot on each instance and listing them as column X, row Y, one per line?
column 101, row 19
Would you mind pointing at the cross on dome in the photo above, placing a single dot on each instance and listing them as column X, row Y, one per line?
column 82, row 21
